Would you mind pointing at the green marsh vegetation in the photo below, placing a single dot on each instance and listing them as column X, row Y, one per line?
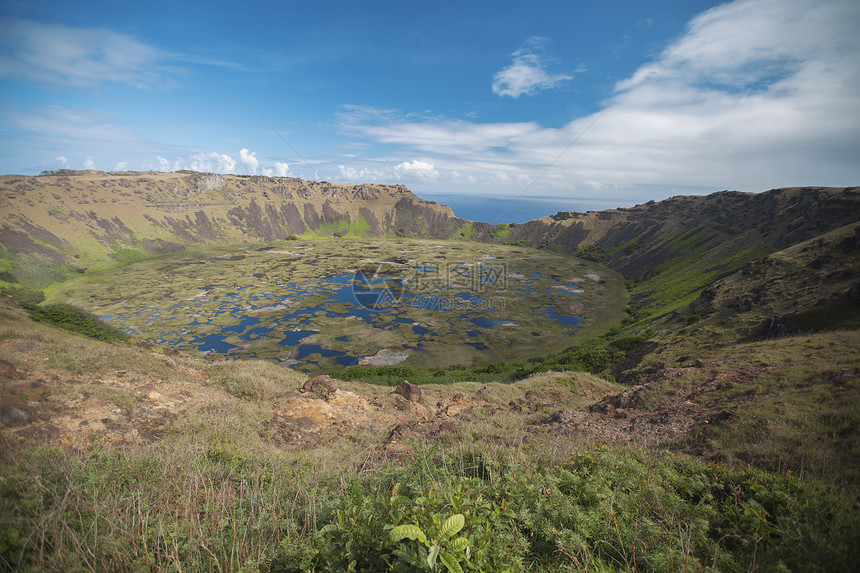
column 499, row 298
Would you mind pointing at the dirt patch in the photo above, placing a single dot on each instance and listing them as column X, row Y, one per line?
column 629, row 417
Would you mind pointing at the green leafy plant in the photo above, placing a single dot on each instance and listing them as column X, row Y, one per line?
column 411, row 534
column 441, row 547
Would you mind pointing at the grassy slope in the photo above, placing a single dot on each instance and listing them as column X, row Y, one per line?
column 213, row 493
column 788, row 398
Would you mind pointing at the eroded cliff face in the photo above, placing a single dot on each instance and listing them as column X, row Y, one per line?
column 637, row 240
column 90, row 217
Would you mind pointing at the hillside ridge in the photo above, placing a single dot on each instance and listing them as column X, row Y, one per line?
column 79, row 220
column 88, row 219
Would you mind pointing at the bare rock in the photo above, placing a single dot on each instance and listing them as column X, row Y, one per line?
column 365, row 192
column 8, row 371
column 409, row 391
column 208, row 182
column 283, row 191
column 323, row 386
column 14, row 411
column 385, row 357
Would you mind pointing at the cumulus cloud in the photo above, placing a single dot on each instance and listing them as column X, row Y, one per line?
column 89, row 163
column 756, row 94
column 62, row 159
column 280, row 169
column 163, row 164
column 61, row 55
column 213, row 162
column 420, row 169
column 527, row 74
column 249, row 159
column 355, row 174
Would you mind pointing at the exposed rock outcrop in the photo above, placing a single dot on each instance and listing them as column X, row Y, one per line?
column 409, row 391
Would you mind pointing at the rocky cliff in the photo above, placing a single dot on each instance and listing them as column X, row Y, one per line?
column 635, row 240
column 84, row 219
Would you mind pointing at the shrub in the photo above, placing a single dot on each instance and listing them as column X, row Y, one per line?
column 23, row 296
column 74, row 319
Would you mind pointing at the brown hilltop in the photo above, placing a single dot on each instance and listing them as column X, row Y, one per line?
column 96, row 216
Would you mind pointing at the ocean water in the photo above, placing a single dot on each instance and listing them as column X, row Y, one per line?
column 507, row 209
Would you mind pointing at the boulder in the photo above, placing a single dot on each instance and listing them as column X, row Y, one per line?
column 14, row 412
column 409, row 391
column 8, row 370
column 323, row 386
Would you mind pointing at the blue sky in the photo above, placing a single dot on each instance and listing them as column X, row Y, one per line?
column 612, row 103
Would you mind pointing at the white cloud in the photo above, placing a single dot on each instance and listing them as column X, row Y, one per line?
column 420, row 169
column 163, row 164
column 249, row 159
column 756, row 94
column 527, row 74
column 62, row 159
column 121, row 166
column 281, row 169
column 89, row 163
column 212, row 162
column 354, row 174
column 55, row 54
